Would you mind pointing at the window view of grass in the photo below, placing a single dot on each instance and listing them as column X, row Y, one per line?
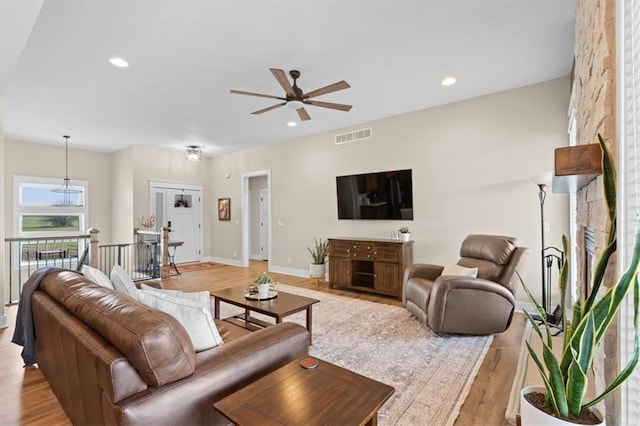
column 50, row 223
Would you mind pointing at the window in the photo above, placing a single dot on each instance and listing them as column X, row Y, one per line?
column 38, row 219
column 628, row 42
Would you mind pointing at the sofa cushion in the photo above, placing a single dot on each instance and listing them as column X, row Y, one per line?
column 155, row 343
column 123, row 282
column 195, row 318
column 97, row 276
column 202, row 298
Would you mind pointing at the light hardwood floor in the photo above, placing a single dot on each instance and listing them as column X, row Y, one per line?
column 26, row 399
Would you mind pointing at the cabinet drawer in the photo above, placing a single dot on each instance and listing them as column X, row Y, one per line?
column 362, row 250
column 388, row 253
column 339, row 248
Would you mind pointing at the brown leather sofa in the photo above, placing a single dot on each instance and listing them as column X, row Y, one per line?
column 112, row 360
column 466, row 305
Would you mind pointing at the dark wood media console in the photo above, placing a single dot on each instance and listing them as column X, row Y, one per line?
column 367, row 264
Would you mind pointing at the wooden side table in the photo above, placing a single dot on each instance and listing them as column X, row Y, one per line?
column 293, row 395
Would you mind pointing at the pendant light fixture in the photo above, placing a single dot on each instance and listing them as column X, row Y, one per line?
column 70, row 196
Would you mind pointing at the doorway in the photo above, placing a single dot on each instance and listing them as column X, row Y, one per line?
column 179, row 206
column 256, row 216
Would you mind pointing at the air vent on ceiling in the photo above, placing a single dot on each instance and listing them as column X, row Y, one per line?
column 357, row 135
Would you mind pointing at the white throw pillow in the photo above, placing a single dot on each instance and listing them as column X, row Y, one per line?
column 193, row 317
column 123, row 282
column 460, row 271
column 202, row 298
column 97, row 276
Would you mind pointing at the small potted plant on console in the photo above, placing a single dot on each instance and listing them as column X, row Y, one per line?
column 404, row 233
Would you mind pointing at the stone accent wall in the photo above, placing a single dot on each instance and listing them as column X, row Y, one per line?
column 594, row 99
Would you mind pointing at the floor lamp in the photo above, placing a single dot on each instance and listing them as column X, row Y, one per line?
column 547, row 257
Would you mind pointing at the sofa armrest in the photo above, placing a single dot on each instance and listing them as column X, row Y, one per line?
column 469, row 306
column 219, row 372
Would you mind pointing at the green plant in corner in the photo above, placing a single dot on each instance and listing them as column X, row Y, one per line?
column 320, row 251
column 263, row 278
column 566, row 376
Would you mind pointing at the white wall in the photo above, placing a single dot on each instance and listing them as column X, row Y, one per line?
column 31, row 159
column 3, row 315
column 472, row 163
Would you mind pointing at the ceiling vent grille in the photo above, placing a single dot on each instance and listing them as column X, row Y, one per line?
column 357, row 135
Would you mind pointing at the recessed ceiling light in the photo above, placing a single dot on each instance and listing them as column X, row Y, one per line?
column 448, row 81
column 119, row 62
column 292, row 124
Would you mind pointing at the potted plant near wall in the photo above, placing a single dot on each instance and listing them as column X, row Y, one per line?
column 319, row 254
column 404, row 233
column 565, row 376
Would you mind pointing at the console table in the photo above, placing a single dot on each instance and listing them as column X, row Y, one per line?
column 368, row 264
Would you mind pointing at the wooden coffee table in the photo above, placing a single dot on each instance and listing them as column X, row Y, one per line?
column 292, row 395
column 283, row 305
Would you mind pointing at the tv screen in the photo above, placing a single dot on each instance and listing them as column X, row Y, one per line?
column 382, row 195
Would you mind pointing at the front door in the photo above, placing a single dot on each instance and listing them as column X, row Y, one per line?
column 180, row 210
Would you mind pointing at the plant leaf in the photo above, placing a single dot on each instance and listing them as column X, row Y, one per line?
column 549, row 395
column 582, row 356
column 556, row 381
column 633, row 362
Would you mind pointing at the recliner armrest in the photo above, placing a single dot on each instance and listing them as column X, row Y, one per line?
column 445, row 283
column 422, row 270
column 469, row 306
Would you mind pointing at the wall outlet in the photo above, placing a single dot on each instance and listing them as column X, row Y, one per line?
column 235, row 253
column 289, row 260
column 280, row 222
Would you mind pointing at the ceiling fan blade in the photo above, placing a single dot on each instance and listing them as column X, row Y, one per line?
column 240, row 92
column 341, row 107
column 283, row 80
column 260, row 111
column 303, row 114
column 341, row 85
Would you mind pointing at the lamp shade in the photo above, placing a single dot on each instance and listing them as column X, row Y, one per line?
column 542, row 178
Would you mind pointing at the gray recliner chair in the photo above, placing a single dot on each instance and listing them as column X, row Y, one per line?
column 462, row 304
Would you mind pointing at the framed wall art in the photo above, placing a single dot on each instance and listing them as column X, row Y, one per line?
column 224, row 208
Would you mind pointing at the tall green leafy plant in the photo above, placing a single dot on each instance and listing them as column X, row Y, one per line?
column 566, row 377
column 320, row 251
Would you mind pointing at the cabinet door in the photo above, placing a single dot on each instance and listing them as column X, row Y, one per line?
column 387, row 278
column 340, row 272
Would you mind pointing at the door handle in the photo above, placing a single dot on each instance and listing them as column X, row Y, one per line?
column 169, row 224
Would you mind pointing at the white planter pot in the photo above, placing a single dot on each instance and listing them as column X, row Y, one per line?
column 263, row 290
column 316, row 270
column 531, row 416
column 405, row 236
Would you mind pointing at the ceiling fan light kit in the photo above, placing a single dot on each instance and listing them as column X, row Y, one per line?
column 295, row 98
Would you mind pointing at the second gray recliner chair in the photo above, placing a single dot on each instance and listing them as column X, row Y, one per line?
column 462, row 304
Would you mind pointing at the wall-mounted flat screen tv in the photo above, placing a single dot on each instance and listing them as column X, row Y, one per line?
column 381, row 195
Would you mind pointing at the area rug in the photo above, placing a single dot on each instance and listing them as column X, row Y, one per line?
column 431, row 374
column 196, row 266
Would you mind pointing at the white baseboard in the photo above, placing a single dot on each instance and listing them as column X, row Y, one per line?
column 3, row 321
column 232, row 262
column 304, row 273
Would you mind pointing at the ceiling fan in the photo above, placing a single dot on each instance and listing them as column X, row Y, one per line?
column 296, row 98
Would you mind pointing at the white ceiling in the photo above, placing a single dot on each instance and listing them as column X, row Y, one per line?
column 184, row 57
